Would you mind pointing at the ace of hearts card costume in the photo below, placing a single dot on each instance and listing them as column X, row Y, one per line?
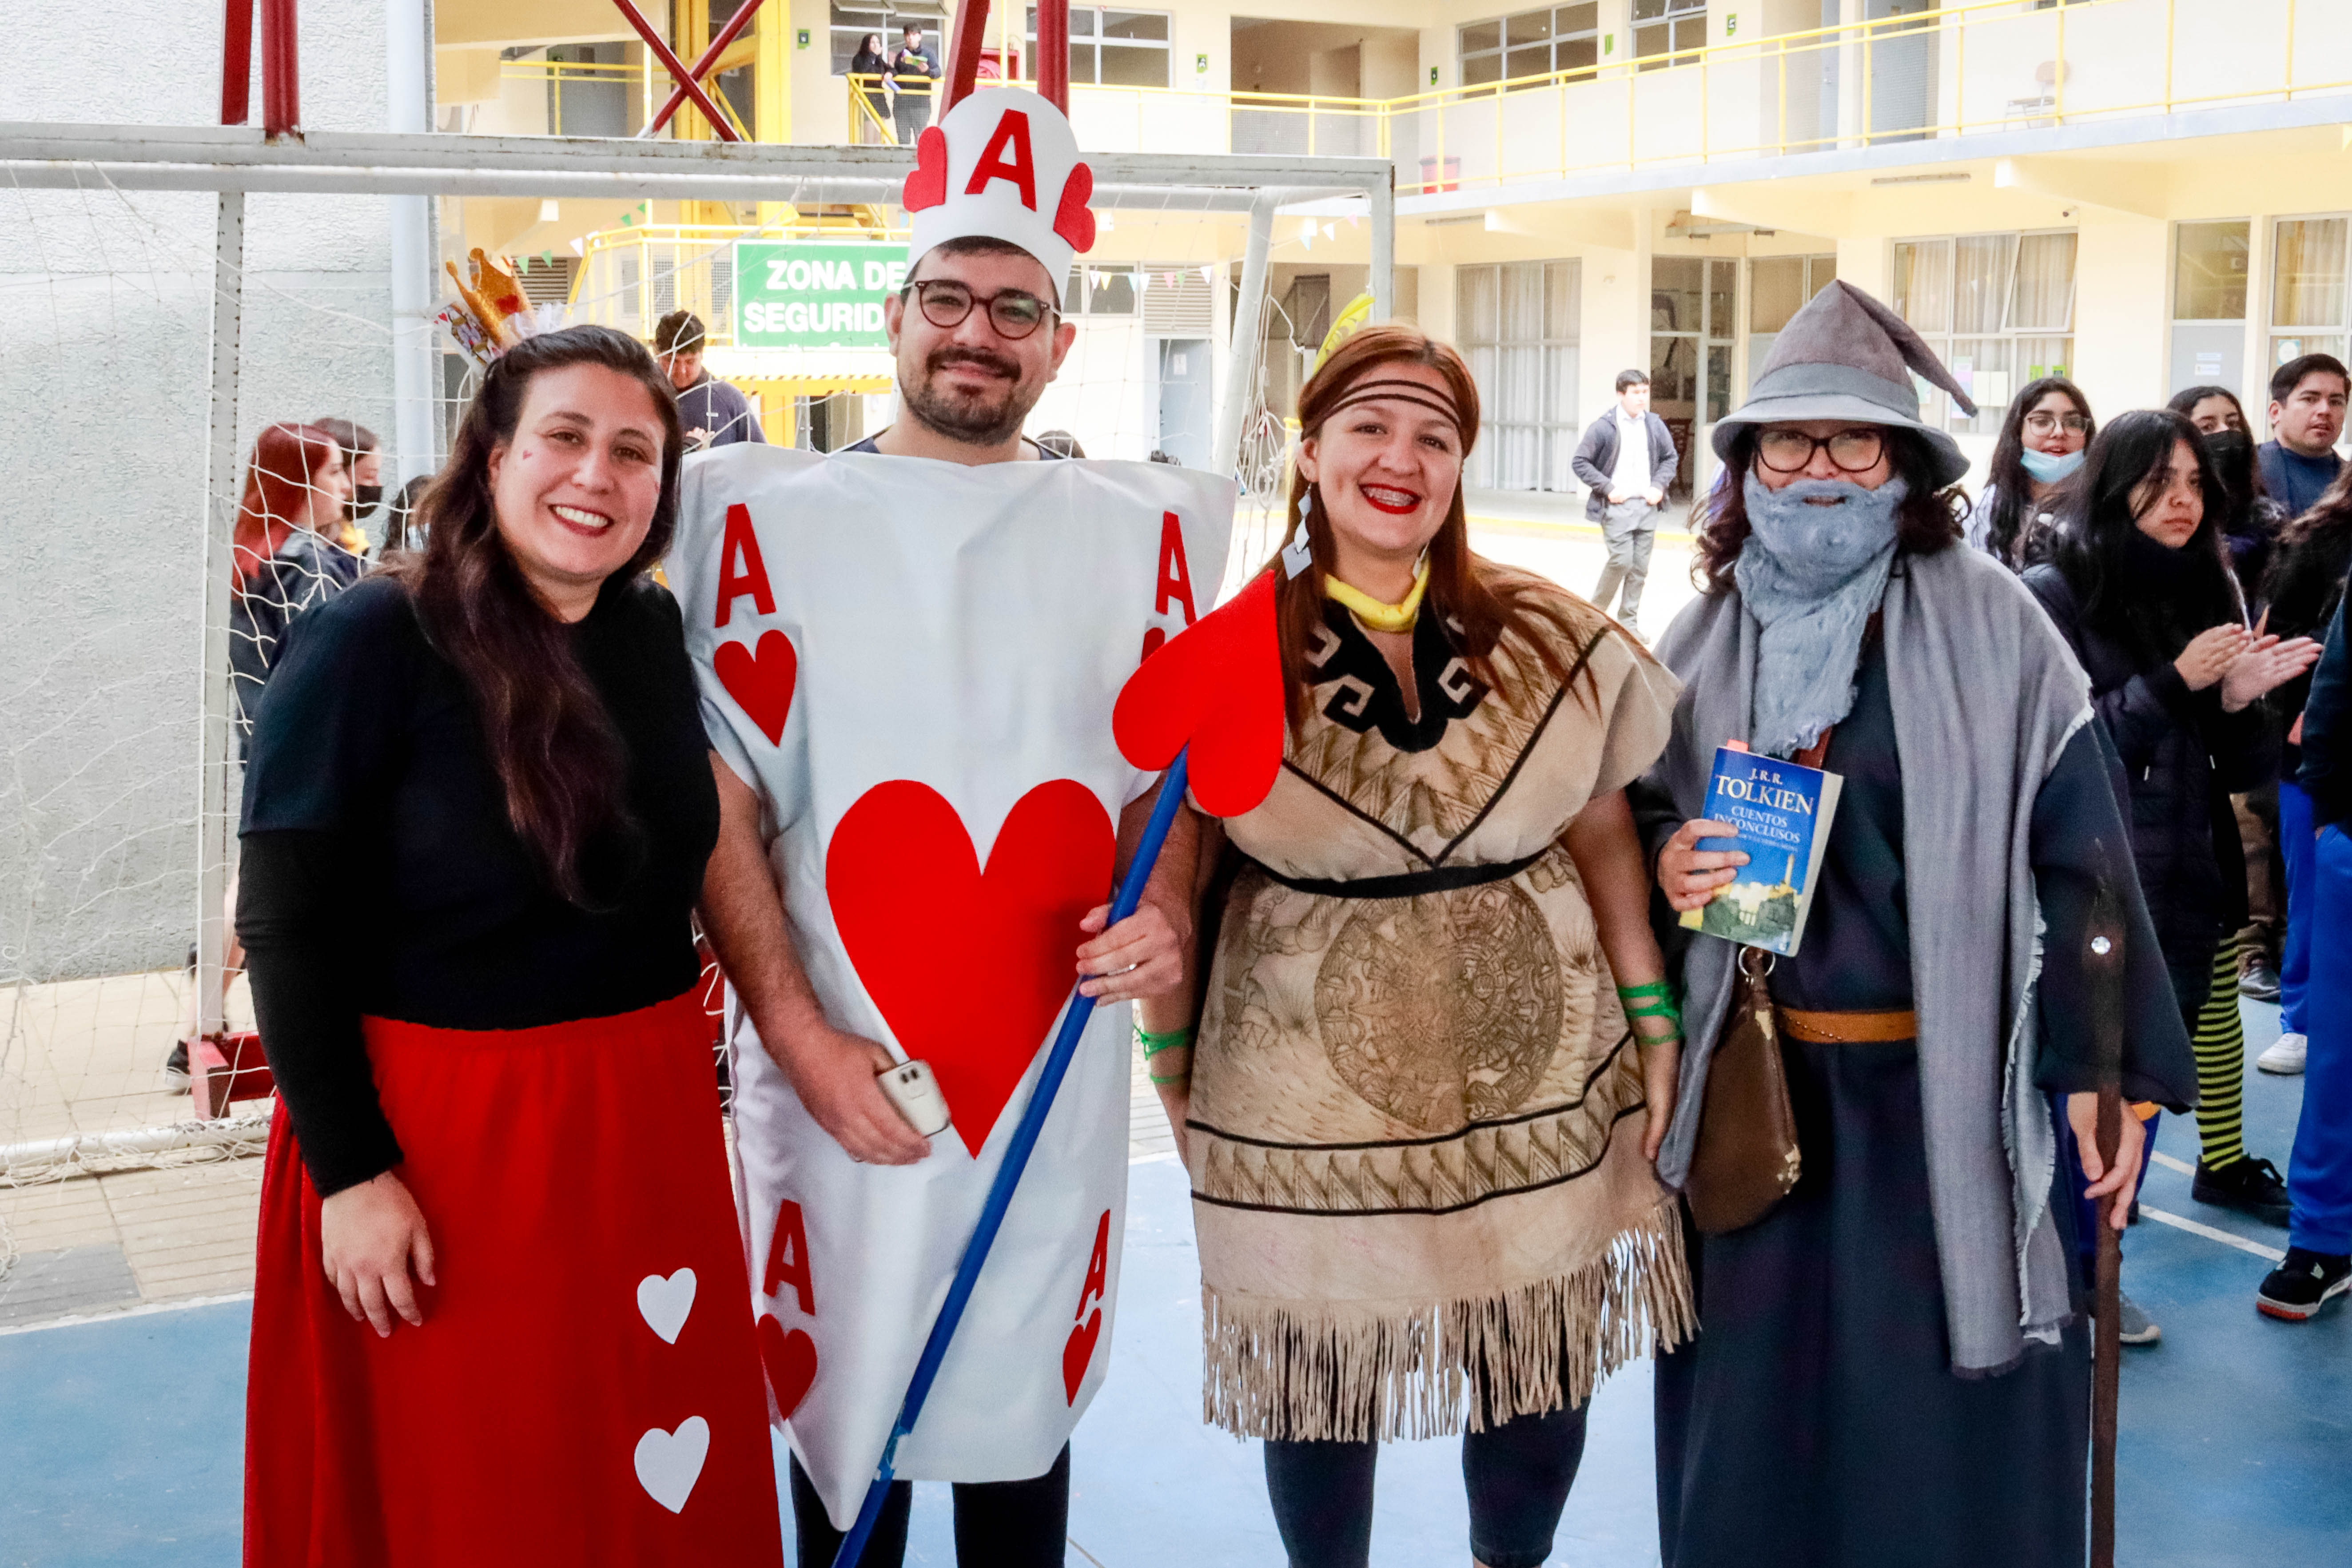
column 914, row 664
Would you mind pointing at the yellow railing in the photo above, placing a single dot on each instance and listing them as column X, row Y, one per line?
column 1966, row 69
column 631, row 278
column 556, row 74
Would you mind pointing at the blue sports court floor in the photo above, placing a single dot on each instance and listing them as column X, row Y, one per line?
column 120, row 1437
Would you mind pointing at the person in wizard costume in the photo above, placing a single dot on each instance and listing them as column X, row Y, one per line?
column 1892, row 1364
column 909, row 655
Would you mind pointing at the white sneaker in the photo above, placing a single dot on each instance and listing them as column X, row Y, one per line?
column 2284, row 1059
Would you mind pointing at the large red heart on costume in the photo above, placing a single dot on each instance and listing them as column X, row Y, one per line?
column 1078, row 1352
column 791, row 1361
column 928, row 186
column 1072, row 219
column 761, row 683
column 969, row 966
column 1216, row 686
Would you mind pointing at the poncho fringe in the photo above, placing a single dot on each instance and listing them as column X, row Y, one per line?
column 1332, row 1373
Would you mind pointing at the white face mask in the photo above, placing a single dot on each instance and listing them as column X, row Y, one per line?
column 2047, row 470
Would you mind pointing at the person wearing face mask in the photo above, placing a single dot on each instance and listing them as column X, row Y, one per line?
column 484, row 1327
column 2141, row 589
column 1891, row 1362
column 2040, row 446
column 363, row 460
column 1435, row 991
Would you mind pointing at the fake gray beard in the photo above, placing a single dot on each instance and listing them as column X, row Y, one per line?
column 1811, row 576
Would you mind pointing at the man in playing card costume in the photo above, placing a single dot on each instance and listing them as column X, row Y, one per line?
column 909, row 654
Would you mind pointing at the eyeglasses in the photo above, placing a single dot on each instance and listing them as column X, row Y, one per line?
column 1014, row 314
column 2043, row 424
column 1791, row 451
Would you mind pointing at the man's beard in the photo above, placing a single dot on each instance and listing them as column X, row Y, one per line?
column 980, row 419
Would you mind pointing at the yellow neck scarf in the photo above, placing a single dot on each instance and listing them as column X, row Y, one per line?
column 1379, row 617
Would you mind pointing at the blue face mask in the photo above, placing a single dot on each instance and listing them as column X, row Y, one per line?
column 2046, row 469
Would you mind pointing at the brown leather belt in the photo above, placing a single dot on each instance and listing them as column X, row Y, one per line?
column 1847, row 1028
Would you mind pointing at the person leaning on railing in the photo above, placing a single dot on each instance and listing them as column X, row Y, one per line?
column 870, row 104
column 915, row 72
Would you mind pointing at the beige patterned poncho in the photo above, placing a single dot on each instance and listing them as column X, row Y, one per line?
column 1417, row 1111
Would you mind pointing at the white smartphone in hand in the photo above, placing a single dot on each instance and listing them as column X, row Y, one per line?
column 915, row 1093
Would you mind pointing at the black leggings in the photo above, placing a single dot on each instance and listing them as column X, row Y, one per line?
column 998, row 1524
column 1517, row 1475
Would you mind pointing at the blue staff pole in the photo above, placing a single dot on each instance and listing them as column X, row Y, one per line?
column 1008, row 1177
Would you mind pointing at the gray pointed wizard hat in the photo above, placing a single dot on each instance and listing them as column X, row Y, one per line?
column 1847, row 356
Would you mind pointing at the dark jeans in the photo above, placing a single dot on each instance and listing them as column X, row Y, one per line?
column 1517, row 1475
column 998, row 1524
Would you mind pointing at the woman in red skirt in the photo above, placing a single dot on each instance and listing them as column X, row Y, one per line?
column 500, row 1313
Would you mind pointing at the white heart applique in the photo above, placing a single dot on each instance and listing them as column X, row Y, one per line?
column 670, row 1463
column 665, row 1303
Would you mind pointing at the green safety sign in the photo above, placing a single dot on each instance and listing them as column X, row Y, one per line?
column 815, row 294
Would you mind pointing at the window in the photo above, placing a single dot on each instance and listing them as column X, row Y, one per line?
column 1099, row 291
column 1531, row 44
column 2308, row 288
column 1113, row 48
column 1694, row 309
column 1662, row 26
column 1778, row 288
column 1517, row 325
column 2209, row 304
column 852, row 22
column 1999, row 311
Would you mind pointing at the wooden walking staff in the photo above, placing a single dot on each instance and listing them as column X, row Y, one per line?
column 2104, row 962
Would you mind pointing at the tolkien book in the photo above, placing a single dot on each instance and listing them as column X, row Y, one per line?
column 1782, row 811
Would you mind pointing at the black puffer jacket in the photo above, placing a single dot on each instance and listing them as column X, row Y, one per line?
column 2182, row 757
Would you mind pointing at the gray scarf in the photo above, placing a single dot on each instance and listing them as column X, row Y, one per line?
column 1811, row 576
column 1986, row 696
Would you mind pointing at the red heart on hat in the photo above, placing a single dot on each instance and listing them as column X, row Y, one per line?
column 928, row 186
column 1078, row 1353
column 1216, row 686
column 789, row 1360
column 969, row 967
column 1072, row 219
column 761, row 683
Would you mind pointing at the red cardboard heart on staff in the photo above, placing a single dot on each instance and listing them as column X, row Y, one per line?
column 761, row 683
column 1216, row 686
column 791, row 1362
column 969, row 967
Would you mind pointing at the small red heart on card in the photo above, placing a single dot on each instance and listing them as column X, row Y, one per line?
column 791, row 1361
column 761, row 683
column 969, row 967
column 1072, row 219
column 1216, row 686
column 928, row 186
column 1078, row 1353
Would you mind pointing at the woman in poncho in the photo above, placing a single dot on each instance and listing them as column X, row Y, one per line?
column 1417, row 1114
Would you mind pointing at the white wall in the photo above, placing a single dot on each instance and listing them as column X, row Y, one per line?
column 103, row 365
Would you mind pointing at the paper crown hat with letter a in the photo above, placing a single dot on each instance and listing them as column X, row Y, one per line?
column 1002, row 164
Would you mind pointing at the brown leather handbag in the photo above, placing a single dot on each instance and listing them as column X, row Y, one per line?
column 1747, row 1158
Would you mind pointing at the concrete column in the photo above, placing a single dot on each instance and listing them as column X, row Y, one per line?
column 1851, row 72
column 408, row 96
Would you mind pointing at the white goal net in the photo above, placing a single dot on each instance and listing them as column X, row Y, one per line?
column 161, row 375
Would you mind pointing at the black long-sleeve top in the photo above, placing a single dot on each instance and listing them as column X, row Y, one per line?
column 382, row 877
column 2305, row 585
column 2326, row 773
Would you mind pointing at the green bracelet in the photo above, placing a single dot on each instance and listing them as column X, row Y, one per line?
column 1654, row 999
column 1159, row 1083
column 1154, row 1043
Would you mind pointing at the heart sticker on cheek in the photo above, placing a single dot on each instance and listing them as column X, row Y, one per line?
column 1216, row 686
column 791, row 1362
column 928, row 186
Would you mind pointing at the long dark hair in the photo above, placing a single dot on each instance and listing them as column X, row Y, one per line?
column 1928, row 519
column 2099, row 539
column 2244, row 479
column 2012, row 487
column 1483, row 600
column 556, row 752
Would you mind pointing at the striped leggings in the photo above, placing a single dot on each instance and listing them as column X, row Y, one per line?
column 2219, row 1036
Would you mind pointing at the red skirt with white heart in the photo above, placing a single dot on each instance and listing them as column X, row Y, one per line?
column 586, row 1389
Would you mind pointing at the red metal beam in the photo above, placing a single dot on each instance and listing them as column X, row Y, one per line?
column 968, row 38
column 710, row 55
column 685, row 78
column 236, row 63
column 281, row 68
column 1054, row 53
